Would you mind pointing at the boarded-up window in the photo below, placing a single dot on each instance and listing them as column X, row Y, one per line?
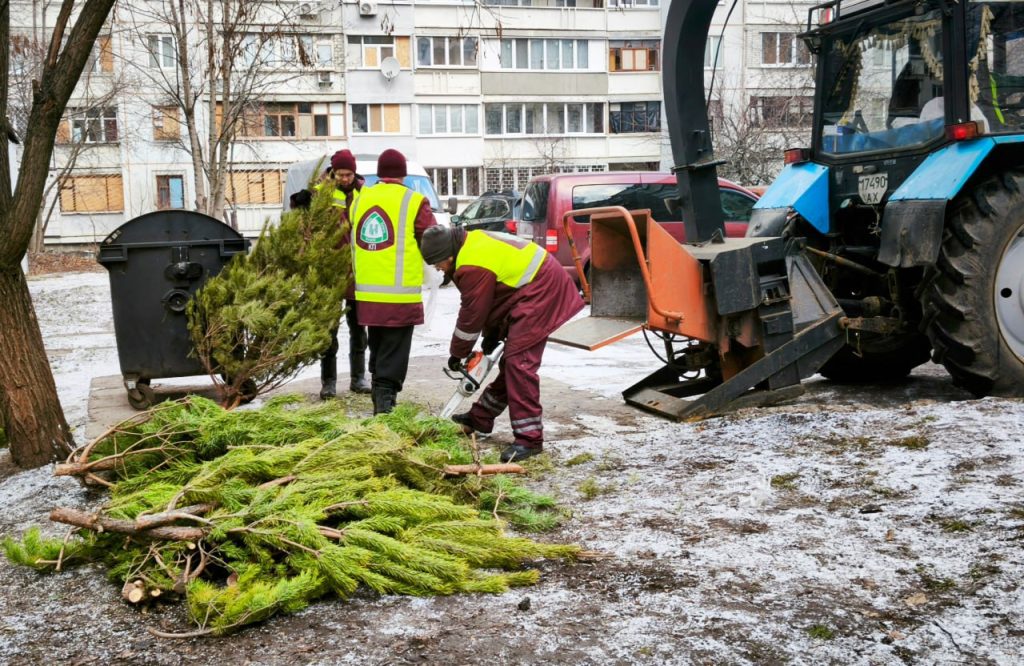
column 92, row 194
column 376, row 118
column 255, row 187
column 101, row 58
column 166, row 126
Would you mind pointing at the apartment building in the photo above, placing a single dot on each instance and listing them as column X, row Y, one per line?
column 483, row 95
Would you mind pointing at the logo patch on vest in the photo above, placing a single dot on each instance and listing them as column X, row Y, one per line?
column 375, row 230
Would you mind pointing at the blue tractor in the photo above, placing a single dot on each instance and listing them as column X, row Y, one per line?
column 896, row 237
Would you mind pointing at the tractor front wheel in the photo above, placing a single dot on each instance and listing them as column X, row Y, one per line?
column 974, row 298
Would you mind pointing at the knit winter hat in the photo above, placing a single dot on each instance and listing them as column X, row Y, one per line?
column 437, row 244
column 344, row 159
column 391, row 164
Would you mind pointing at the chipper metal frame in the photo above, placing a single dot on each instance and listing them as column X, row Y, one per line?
column 757, row 316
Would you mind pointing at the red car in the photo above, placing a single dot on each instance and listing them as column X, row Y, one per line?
column 548, row 197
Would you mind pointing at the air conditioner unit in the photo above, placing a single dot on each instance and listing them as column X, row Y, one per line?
column 367, row 8
column 324, row 79
column 307, row 10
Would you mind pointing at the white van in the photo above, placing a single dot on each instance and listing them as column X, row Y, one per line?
column 300, row 173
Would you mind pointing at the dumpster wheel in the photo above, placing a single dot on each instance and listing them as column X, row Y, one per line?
column 142, row 396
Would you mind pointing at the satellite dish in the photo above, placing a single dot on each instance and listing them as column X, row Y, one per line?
column 389, row 67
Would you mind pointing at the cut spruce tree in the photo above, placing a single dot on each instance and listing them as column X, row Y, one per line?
column 250, row 513
column 270, row 313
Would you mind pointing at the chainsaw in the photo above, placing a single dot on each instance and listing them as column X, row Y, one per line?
column 471, row 376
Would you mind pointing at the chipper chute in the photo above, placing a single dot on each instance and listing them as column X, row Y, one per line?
column 743, row 319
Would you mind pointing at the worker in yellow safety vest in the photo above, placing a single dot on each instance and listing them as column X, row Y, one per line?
column 388, row 220
column 511, row 290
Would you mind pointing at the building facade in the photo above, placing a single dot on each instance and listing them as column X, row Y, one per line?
column 483, row 95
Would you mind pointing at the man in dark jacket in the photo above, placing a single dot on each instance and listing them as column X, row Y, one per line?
column 388, row 220
column 511, row 290
column 347, row 184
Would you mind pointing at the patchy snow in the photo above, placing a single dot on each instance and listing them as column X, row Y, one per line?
column 861, row 525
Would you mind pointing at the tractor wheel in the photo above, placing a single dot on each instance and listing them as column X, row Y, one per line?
column 880, row 361
column 974, row 299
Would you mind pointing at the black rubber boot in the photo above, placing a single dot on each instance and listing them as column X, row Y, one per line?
column 357, row 372
column 328, row 376
column 384, row 398
column 517, row 452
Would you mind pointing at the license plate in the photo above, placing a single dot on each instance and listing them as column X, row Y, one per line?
column 872, row 187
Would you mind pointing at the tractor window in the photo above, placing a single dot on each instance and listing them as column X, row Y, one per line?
column 887, row 86
column 996, row 38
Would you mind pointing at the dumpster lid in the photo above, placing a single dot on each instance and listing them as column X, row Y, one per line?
column 171, row 226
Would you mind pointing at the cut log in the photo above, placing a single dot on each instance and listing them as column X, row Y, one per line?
column 506, row 468
column 99, row 523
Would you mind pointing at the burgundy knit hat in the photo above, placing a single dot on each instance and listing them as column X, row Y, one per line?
column 344, row 159
column 391, row 164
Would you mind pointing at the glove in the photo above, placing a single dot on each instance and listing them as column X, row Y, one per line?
column 489, row 344
column 454, row 363
column 301, row 199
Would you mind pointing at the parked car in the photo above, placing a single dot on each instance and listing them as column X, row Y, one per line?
column 548, row 197
column 493, row 211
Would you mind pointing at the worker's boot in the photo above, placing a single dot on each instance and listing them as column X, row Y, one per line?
column 464, row 422
column 517, row 452
column 384, row 398
column 328, row 377
column 357, row 372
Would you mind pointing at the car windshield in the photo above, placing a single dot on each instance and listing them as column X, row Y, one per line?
column 886, row 85
column 419, row 184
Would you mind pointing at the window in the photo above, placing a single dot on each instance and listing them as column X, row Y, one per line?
column 376, row 118
column 92, row 194
column 456, row 181
column 279, row 120
column 783, row 48
column 633, row 3
column 322, row 119
column 449, row 119
column 255, row 187
column 170, row 192
column 446, row 51
column 93, row 125
column 544, row 54
column 633, row 56
column 316, row 52
column 286, row 119
column 101, row 58
column 166, row 126
column 541, row 118
column 630, row 117
column 370, row 50
column 161, row 51
column 712, row 51
column 781, row 111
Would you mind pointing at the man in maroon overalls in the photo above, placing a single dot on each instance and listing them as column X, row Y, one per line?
column 511, row 290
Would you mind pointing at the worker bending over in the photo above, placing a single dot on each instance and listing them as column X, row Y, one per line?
column 511, row 290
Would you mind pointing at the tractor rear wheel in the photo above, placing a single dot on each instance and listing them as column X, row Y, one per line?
column 974, row 298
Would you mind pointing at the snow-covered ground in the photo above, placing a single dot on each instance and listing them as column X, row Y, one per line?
column 857, row 525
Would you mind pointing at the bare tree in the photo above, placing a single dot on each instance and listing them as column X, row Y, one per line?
column 211, row 62
column 36, row 427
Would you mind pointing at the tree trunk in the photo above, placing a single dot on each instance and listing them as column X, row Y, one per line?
column 37, row 431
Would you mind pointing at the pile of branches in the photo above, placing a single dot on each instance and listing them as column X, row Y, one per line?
column 270, row 313
column 249, row 513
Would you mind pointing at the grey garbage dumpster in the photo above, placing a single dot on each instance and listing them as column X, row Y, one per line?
column 156, row 263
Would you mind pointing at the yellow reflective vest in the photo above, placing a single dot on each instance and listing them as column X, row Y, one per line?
column 513, row 260
column 385, row 258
